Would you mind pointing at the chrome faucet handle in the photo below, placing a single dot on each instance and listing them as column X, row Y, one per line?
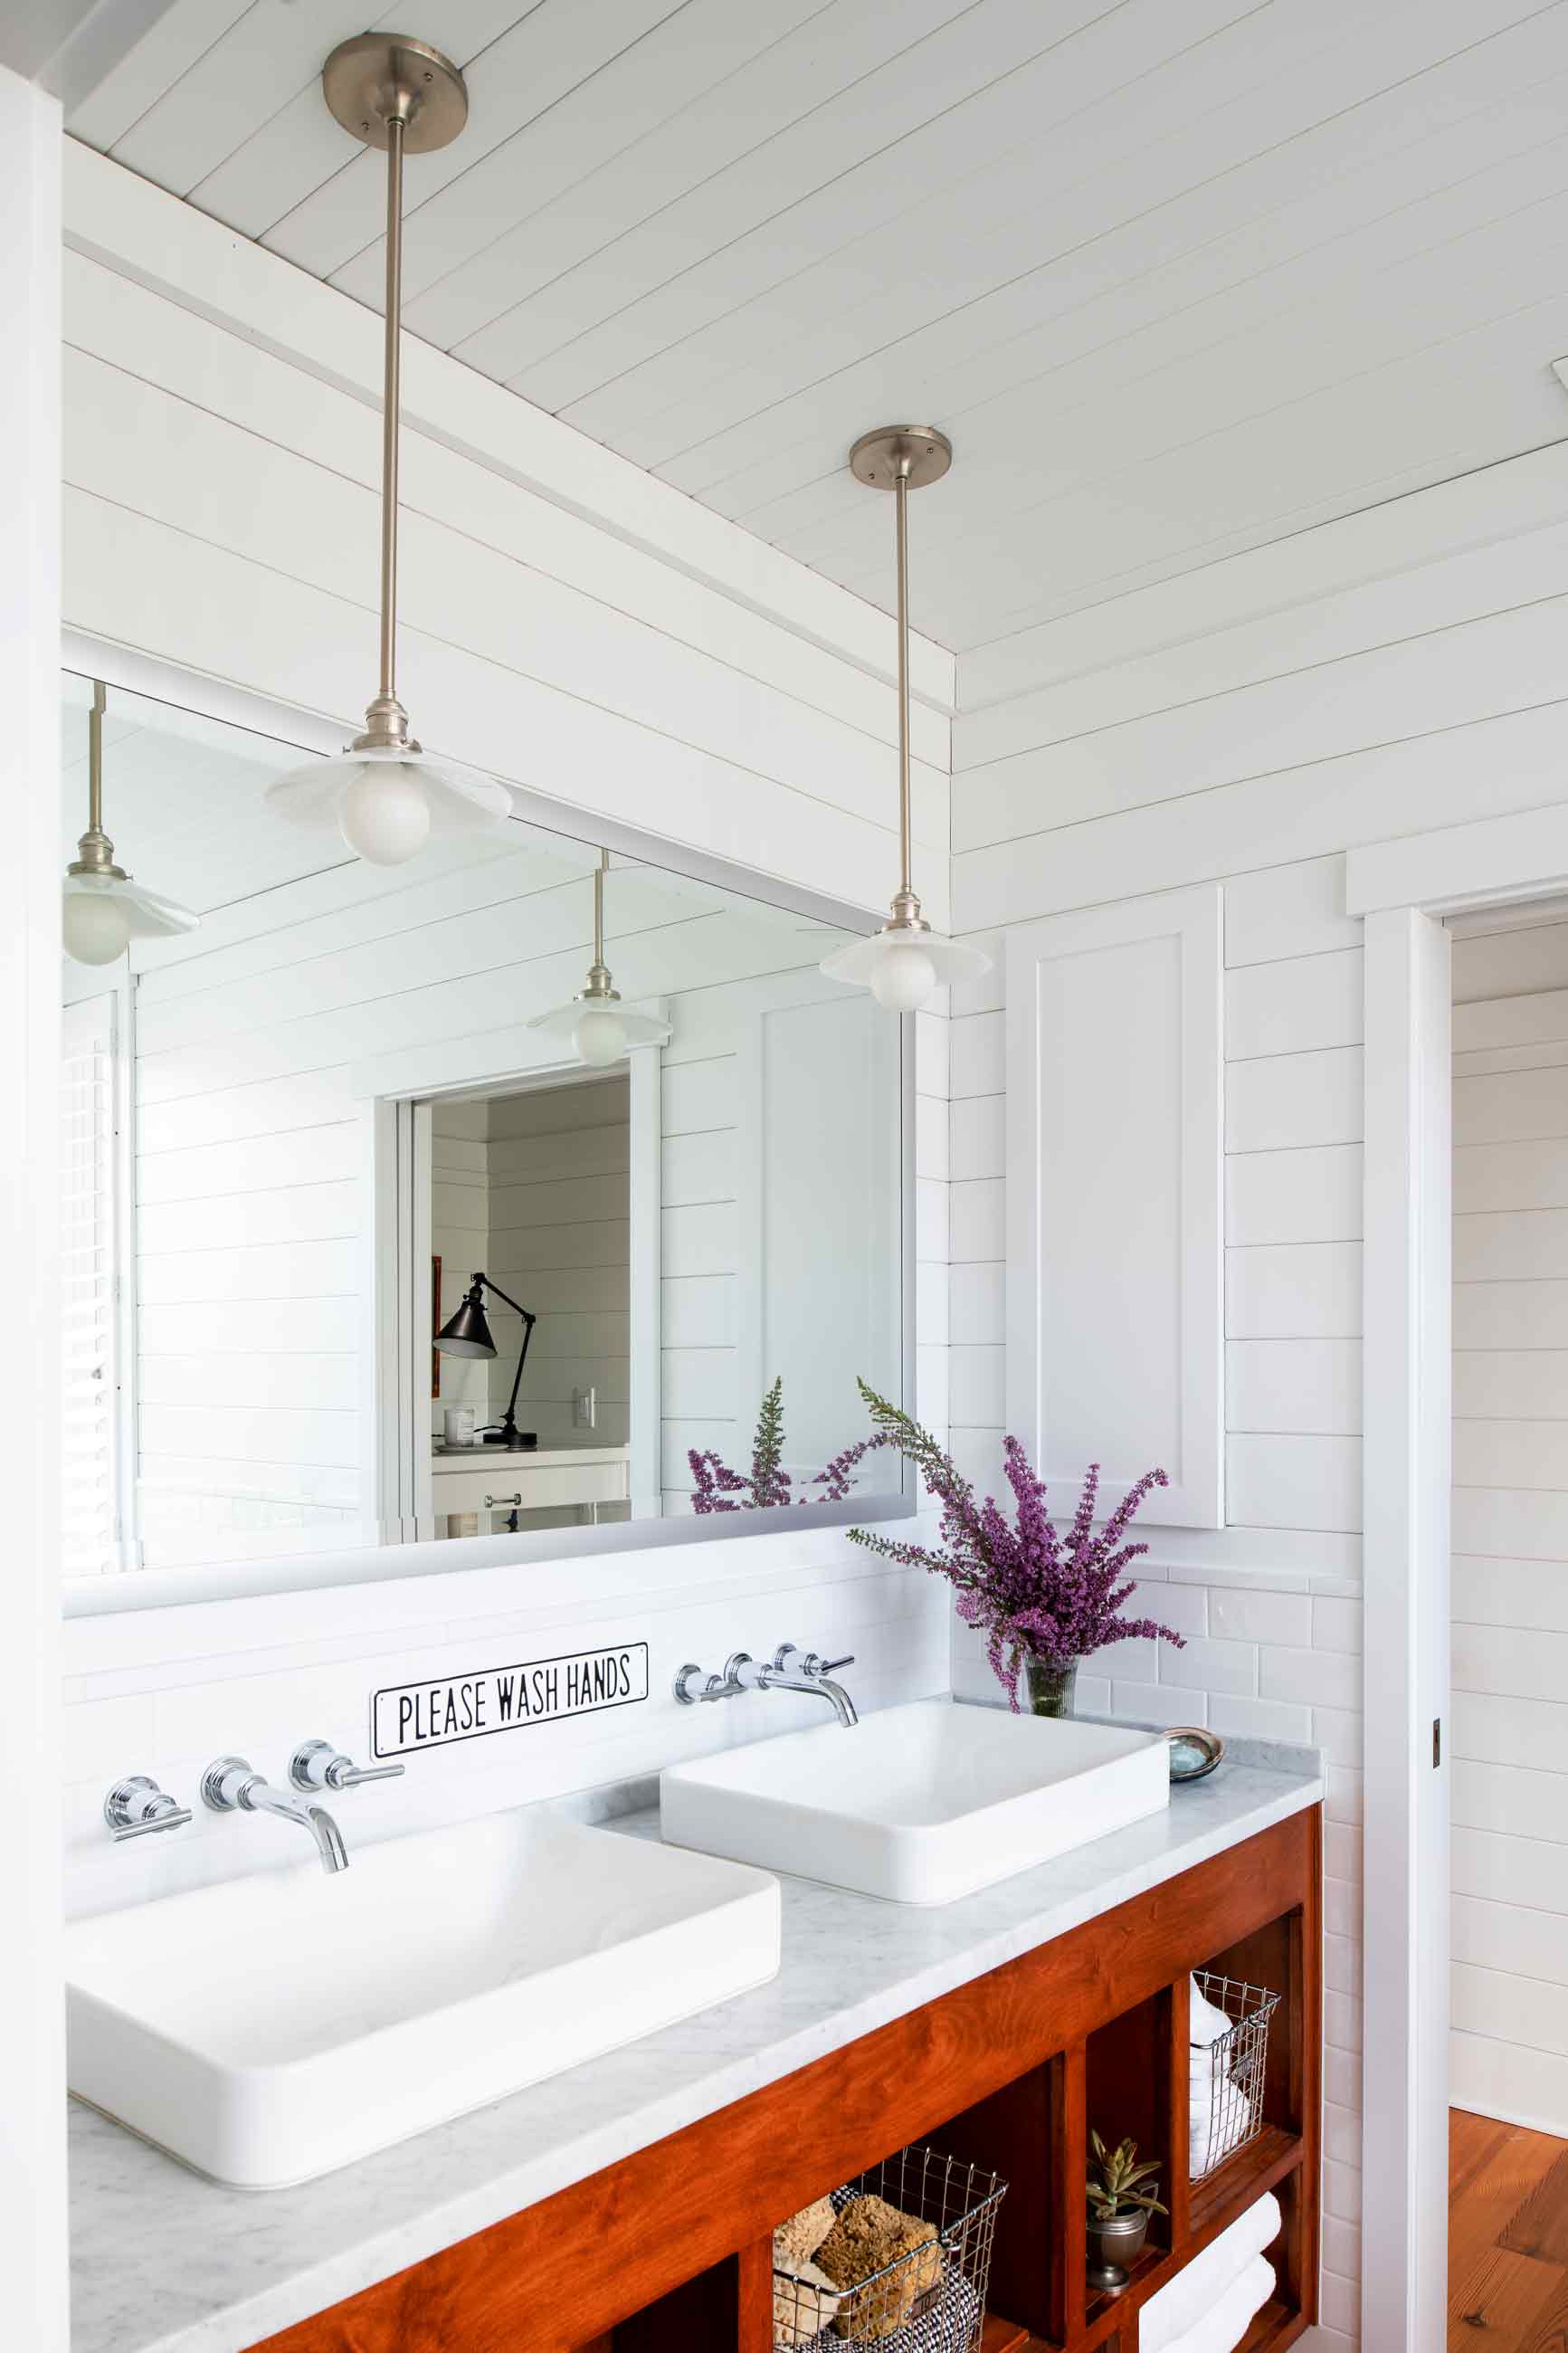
column 789, row 1659
column 136, row 1806
column 317, row 1765
column 227, row 1783
column 691, row 1686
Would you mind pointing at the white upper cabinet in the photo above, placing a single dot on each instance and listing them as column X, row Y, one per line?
column 1115, row 1326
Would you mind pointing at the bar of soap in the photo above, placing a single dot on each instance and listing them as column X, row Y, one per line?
column 805, row 2301
column 869, row 2235
column 796, row 2241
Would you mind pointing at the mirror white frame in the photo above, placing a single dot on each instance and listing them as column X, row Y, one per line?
column 369, row 1563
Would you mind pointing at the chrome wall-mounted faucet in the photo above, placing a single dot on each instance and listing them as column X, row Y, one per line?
column 230, row 1785
column 136, row 1806
column 317, row 1765
column 790, row 1669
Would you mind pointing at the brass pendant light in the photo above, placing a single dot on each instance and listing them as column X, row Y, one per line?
column 105, row 910
column 383, row 794
column 903, row 962
column 597, row 1025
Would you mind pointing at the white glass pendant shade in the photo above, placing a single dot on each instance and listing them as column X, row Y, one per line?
column 600, row 1036
column 902, row 965
column 96, row 926
column 386, row 804
column 585, row 1023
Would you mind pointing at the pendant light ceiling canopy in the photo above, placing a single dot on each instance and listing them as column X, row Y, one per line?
column 903, row 963
column 105, row 910
column 596, row 1025
column 383, row 795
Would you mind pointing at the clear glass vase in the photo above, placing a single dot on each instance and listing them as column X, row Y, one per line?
column 1049, row 1686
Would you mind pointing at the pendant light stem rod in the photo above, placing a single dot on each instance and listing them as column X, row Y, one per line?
column 95, row 758
column 902, row 520
column 391, row 403
column 599, row 906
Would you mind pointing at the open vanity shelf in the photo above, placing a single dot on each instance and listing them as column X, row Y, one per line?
column 672, row 2246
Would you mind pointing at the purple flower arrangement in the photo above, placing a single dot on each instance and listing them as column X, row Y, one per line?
column 1033, row 1591
column 717, row 1488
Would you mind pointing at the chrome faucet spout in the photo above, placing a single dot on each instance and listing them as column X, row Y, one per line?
column 265, row 1800
column 819, row 1685
column 230, row 1784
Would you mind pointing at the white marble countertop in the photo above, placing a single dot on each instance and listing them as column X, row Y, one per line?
column 164, row 2262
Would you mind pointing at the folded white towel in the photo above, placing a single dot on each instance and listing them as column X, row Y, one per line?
column 1222, row 2327
column 1183, row 2302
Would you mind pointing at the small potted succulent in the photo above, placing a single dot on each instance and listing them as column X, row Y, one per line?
column 1120, row 2199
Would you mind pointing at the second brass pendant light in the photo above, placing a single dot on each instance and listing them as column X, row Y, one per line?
column 906, row 960
column 384, row 793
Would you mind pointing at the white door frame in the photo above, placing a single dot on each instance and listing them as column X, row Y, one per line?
column 32, row 2021
column 1402, row 889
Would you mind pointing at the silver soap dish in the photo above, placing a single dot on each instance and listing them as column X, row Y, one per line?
column 1195, row 1751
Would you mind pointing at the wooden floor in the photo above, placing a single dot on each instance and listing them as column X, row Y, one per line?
column 1507, row 2237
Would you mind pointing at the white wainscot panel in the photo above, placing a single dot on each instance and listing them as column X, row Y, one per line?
column 1114, row 1348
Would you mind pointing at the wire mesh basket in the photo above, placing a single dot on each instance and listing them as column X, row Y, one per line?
column 1228, row 2074
column 929, row 2297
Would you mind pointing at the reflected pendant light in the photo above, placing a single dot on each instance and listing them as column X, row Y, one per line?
column 104, row 909
column 903, row 963
column 383, row 794
column 597, row 1025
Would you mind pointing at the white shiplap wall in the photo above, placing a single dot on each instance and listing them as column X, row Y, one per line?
column 1397, row 670
column 1510, row 1717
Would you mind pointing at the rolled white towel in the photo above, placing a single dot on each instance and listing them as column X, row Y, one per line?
column 1205, row 2021
column 1183, row 2302
column 1222, row 2327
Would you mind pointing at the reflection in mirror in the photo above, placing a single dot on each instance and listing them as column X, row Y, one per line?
column 360, row 1251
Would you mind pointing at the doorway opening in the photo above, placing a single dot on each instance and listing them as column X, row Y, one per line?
column 1507, row 1713
column 514, row 1216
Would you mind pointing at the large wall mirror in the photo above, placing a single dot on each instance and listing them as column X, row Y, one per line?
column 356, row 1254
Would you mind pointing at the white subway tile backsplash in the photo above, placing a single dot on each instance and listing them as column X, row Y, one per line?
column 1259, row 1719
column 977, row 1303
column 979, row 1220
column 1230, row 1668
column 1240, row 1615
column 1336, row 1625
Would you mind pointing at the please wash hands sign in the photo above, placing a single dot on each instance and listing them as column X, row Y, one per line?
column 504, row 1699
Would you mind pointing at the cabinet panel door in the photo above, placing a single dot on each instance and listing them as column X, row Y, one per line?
column 1115, row 1328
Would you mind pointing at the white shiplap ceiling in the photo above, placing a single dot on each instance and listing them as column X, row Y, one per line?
column 1179, row 276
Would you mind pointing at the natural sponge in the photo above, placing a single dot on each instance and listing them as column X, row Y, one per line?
column 868, row 2235
column 805, row 2301
column 796, row 2241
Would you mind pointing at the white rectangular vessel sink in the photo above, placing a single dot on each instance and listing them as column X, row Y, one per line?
column 273, row 2028
column 920, row 1804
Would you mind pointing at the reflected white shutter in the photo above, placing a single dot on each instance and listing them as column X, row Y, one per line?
column 89, row 1311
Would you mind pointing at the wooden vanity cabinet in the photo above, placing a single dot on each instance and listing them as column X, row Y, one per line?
column 672, row 2247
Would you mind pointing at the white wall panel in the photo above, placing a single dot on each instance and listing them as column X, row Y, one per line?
column 1115, row 1177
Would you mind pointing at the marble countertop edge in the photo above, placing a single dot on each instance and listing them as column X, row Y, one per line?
column 167, row 2295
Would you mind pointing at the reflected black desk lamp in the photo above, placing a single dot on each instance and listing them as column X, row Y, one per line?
column 467, row 1334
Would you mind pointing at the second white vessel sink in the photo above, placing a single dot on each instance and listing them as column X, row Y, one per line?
column 270, row 2029
column 920, row 1804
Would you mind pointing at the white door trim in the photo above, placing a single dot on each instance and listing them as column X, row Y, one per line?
column 32, row 2021
column 1401, row 888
